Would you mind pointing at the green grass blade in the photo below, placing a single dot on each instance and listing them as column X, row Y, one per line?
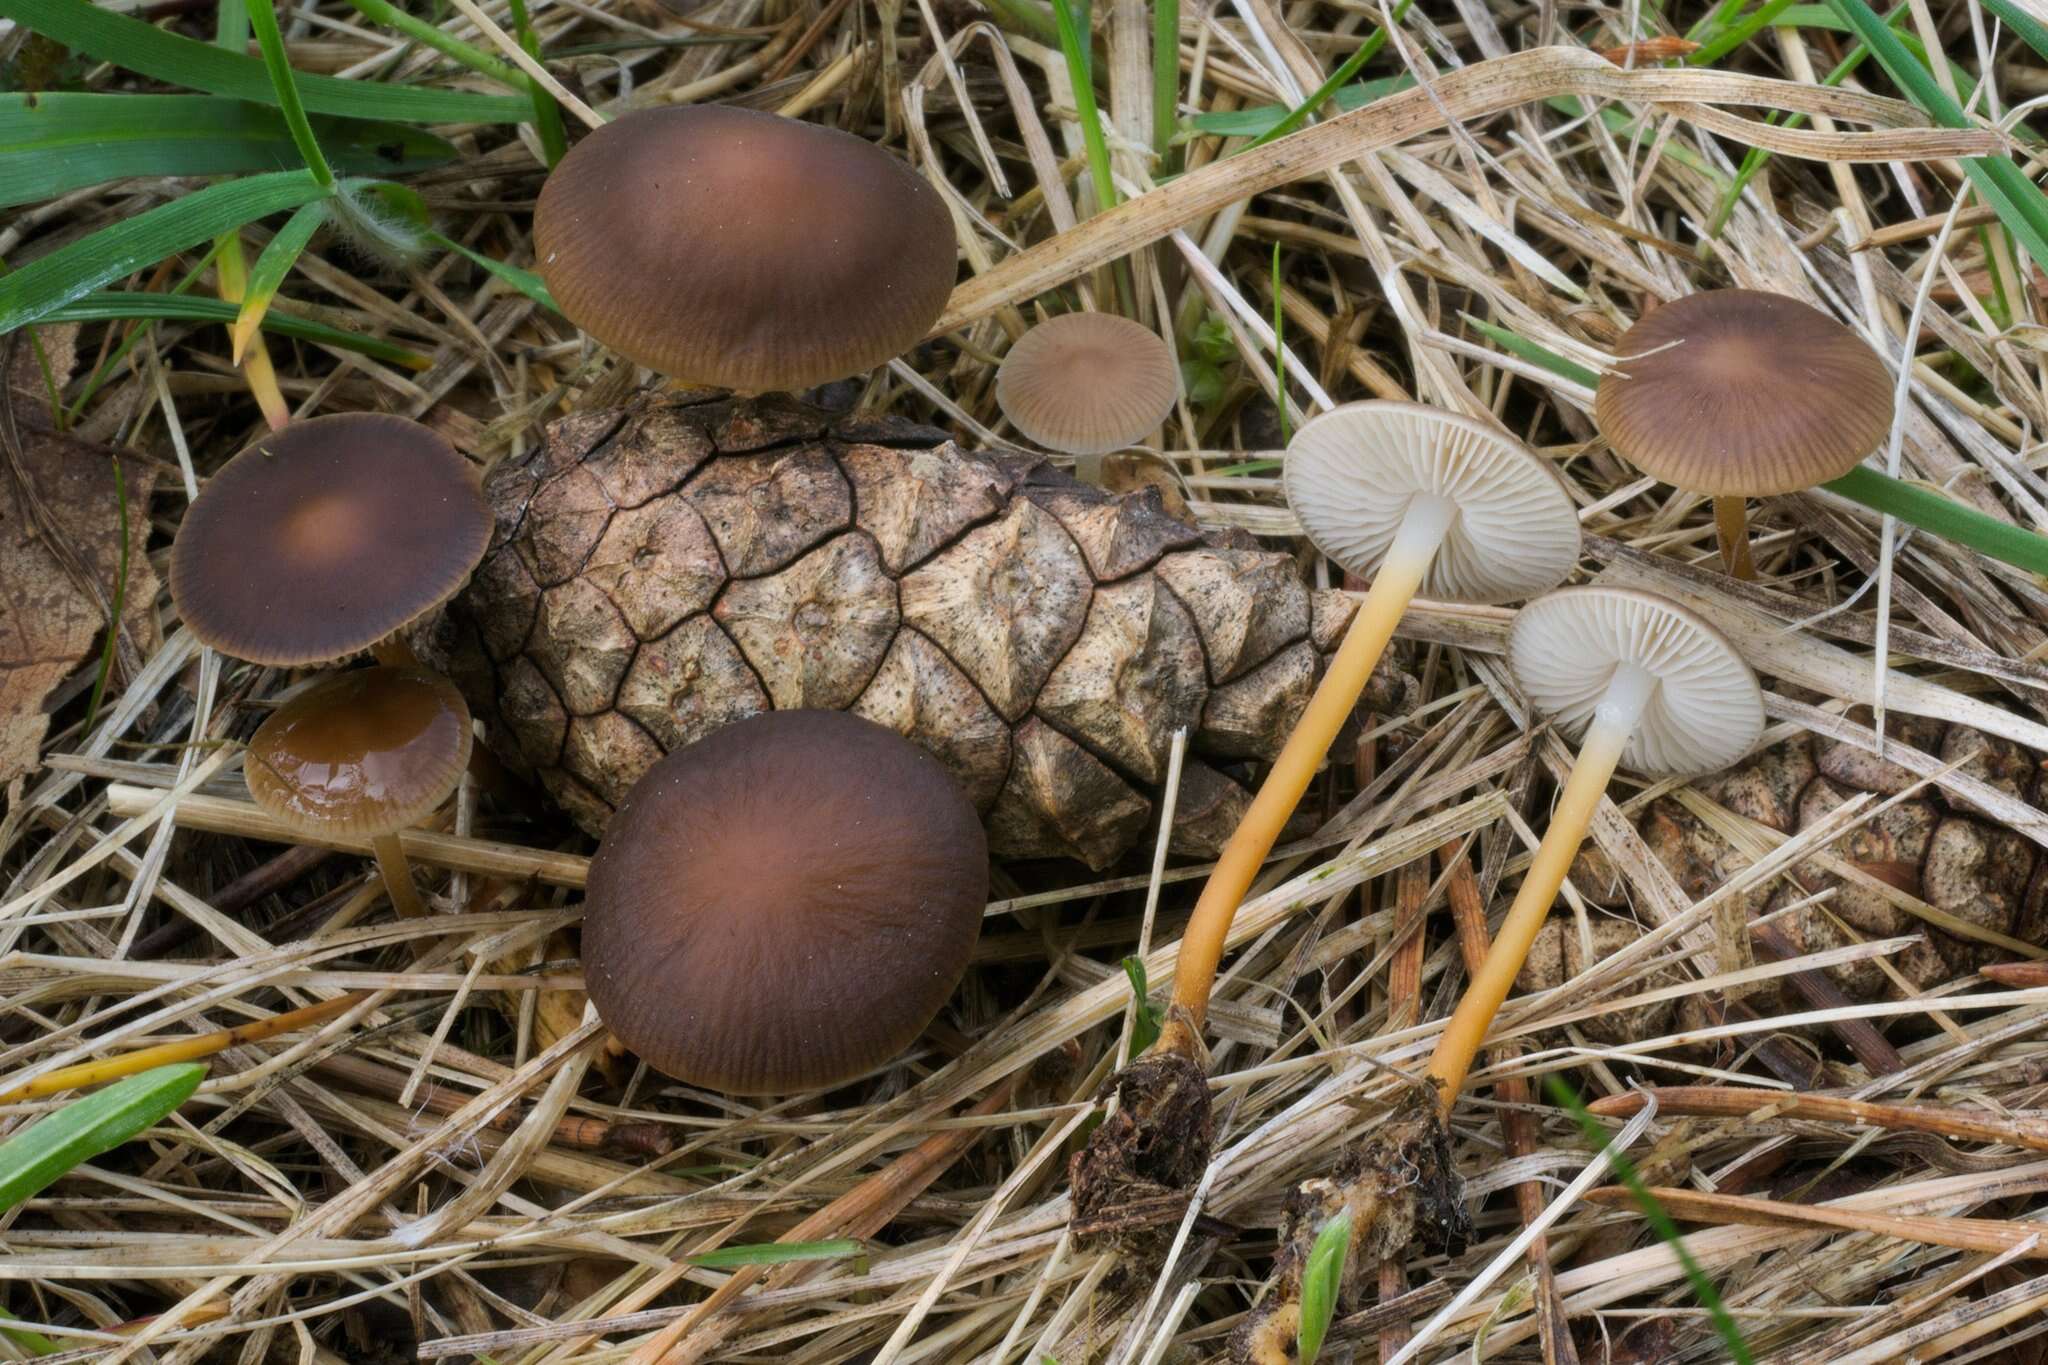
column 35, row 1343
column 73, row 271
column 1165, row 76
column 1321, row 1277
column 525, row 281
column 231, row 25
column 547, row 115
column 1259, row 120
column 453, row 48
column 2031, row 29
column 88, row 1127
column 271, row 267
column 1351, row 66
column 1731, row 1336
column 1145, row 1022
column 149, row 51
column 1080, row 74
column 52, row 144
column 776, row 1253
column 2018, row 201
column 1944, row 517
column 263, row 20
column 125, row 306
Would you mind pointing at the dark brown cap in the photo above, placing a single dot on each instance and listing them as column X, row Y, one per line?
column 1739, row 393
column 364, row 753
column 326, row 537
column 784, row 904
column 1087, row 383
column 739, row 249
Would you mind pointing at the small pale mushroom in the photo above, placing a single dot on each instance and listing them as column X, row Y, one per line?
column 785, row 904
column 363, row 754
column 1738, row 394
column 1087, row 383
column 327, row 538
column 1420, row 500
column 743, row 250
column 1637, row 681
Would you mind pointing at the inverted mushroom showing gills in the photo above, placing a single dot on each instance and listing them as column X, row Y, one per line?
column 327, row 538
column 741, row 250
column 1738, row 394
column 1420, row 500
column 1087, row 383
column 1637, row 680
column 785, row 904
column 367, row 754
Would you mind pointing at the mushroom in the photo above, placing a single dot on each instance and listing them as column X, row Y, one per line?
column 738, row 249
column 327, row 538
column 1737, row 394
column 1634, row 679
column 1087, row 383
column 1421, row 500
column 365, row 753
column 784, row 904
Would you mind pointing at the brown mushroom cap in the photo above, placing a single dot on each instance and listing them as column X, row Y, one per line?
column 784, row 904
column 736, row 248
column 363, row 753
column 1087, row 383
column 326, row 537
column 1740, row 393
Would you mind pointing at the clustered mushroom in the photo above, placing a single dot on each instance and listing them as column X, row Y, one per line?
column 318, row 542
column 1420, row 500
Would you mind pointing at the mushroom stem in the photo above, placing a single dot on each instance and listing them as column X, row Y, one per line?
column 1423, row 528
column 1731, row 528
column 1614, row 721
column 395, row 651
column 391, row 861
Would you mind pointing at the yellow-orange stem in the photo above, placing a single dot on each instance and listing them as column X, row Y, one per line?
column 405, row 897
column 1731, row 528
column 1613, row 723
column 1393, row 587
column 184, row 1050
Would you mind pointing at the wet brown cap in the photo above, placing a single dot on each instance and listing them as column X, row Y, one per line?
column 735, row 248
column 1739, row 393
column 326, row 537
column 363, row 753
column 1087, row 383
column 784, row 904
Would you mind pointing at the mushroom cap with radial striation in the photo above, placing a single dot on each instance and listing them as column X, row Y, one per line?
column 363, row 753
column 1352, row 472
column 739, row 249
column 785, row 904
column 324, row 538
column 1741, row 393
column 1087, row 383
column 1706, row 710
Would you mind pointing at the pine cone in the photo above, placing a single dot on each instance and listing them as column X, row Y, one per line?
column 666, row 568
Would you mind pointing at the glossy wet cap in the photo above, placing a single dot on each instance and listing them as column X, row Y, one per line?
column 1087, row 383
column 364, row 753
column 1740, row 393
column 1352, row 472
column 1707, row 711
column 326, row 537
column 739, row 249
column 784, row 904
